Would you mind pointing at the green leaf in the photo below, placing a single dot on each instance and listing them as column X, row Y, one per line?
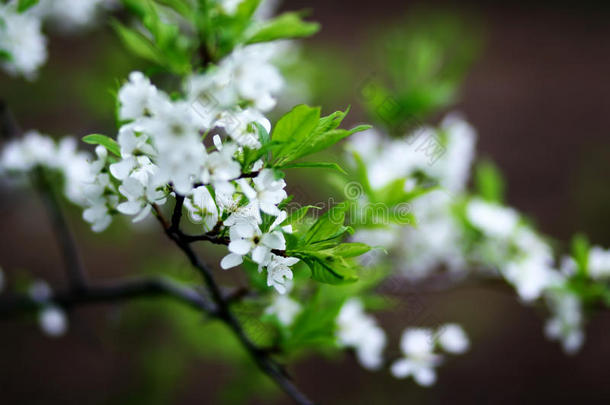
column 287, row 25
column 138, row 43
column 323, row 165
column 329, row 269
column 5, row 55
column 24, row 5
column 263, row 135
column 580, row 253
column 296, row 124
column 329, row 226
column 298, row 215
column 110, row 144
column 302, row 132
column 315, row 325
column 489, row 182
column 352, row 249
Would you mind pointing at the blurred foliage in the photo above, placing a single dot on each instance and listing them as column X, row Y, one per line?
column 419, row 67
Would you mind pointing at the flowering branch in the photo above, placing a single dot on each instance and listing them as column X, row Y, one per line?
column 223, row 312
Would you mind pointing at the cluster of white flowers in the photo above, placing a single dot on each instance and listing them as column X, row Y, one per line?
column 23, row 46
column 511, row 246
column 21, row 156
column 446, row 217
column 445, row 156
column 567, row 320
column 162, row 153
column 418, row 345
column 357, row 330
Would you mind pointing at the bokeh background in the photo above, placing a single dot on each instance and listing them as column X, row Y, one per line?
column 538, row 93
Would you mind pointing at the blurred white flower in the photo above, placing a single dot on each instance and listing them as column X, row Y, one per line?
column 359, row 331
column 22, row 40
column 284, row 308
column 492, row 219
column 453, row 339
column 53, row 321
column 40, row 291
column 567, row 320
column 599, row 263
column 420, row 361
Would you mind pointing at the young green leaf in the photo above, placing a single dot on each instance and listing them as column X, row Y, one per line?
column 263, row 136
column 110, row 144
column 287, row 25
column 24, row 5
column 323, row 165
column 489, row 182
column 580, row 253
column 138, row 43
column 328, row 268
column 329, row 226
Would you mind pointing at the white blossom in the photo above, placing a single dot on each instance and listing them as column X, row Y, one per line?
column 246, row 237
column 139, row 98
column 40, row 291
column 358, row 330
column 279, row 272
column 599, row 263
column 22, row 40
column 267, row 192
column 420, row 361
column 492, row 219
column 220, row 166
column 284, row 308
column 453, row 339
column 139, row 198
column 53, row 321
column 567, row 320
column 202, row 208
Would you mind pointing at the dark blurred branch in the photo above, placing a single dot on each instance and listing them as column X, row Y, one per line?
column 121, row 290
column 74, row 266
column 8, row 125
column 260, row 356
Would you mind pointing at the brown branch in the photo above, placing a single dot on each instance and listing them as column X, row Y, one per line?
column 120, row 290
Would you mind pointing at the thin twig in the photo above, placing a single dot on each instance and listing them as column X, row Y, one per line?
column 259, row 355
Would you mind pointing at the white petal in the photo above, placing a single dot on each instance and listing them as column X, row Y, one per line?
column 274, row 240
column 425, row 376
column 240, row 246
column 129, row 207
column 122, row 169
column 231, row 260
column 260, row 254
